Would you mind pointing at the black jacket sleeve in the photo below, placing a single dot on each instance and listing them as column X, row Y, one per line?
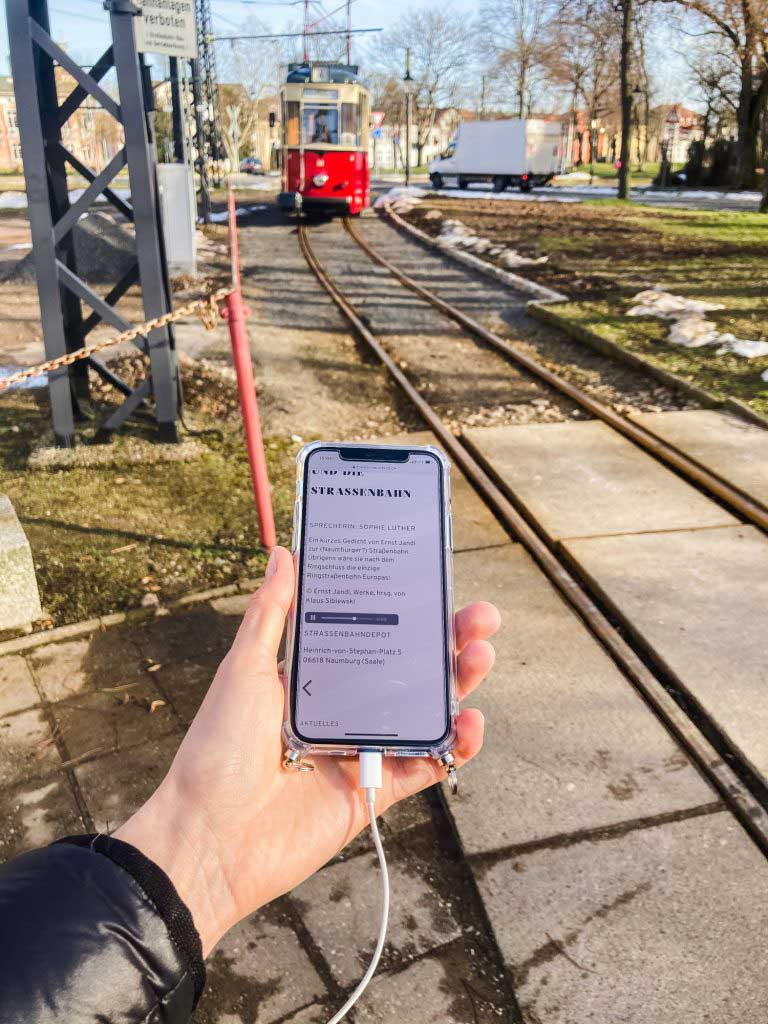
column 93, row 932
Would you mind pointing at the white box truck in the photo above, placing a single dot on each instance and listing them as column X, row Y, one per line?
column 514, row 152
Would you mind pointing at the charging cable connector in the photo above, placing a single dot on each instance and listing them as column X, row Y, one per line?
column 370, row 781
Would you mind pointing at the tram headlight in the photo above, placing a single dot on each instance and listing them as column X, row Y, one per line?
column 320, row 180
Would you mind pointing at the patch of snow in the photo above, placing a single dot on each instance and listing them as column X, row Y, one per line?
column 18, row 200
column 691, row 331
column 13, row 200
column 401, row 198
column 416, row 193
column 41, row 381
column 745, row 347
column 705, row 194
column 573, row 176
column 590, row 190
column 456, row 233
column 560, row 195
column 660, row 303
column 222, row 216
column 690, row 328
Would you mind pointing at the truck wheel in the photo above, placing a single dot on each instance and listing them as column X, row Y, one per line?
column 499, row 184
column 525, row 186
column 462, row 183
column 437, row 180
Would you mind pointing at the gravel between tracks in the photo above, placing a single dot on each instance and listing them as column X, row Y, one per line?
column 466, row 381
column 315, row 379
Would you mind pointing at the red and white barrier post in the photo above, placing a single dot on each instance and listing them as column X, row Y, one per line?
column 235, row 314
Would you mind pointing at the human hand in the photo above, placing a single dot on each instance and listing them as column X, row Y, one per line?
column 232, row 828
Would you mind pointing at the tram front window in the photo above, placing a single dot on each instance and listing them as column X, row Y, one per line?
column 320, row 125
column 350, row 124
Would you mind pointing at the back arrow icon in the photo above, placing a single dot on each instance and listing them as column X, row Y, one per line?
column 305, row 687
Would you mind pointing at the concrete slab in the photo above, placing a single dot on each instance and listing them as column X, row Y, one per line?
column 187, row 682
column 435, row 990
column 661, row 924
column 699, row 601
column 728, row 446
column 585, row 480
column 425, row 993
column 569, row 744
column 339, row 904
column 19, row 596
column 104, row 659
column 474, row 525
column 27, row 749
column 60, row 668
column 35, row 814
column 258, row 973
column 17, row 688
column 101, row 722
column 115, row 786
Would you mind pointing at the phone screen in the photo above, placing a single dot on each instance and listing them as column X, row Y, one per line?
column 371, row 658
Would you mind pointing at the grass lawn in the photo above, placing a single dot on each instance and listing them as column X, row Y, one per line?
column 602, row 253
column 104, row 537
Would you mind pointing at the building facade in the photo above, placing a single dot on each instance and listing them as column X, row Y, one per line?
column 91, row 134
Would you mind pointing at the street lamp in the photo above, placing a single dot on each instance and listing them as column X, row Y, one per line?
column 593, row 124
column 408, row 84
column 637, row 92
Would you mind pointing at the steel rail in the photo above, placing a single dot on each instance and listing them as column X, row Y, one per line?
column 736, row 795
column 736, row 500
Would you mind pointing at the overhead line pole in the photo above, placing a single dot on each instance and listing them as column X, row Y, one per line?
column 626, row 97
column 177, row 113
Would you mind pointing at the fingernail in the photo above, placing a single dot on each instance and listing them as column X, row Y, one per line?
column 271, row 565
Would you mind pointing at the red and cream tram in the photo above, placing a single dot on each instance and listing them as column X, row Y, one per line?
column 325, row 139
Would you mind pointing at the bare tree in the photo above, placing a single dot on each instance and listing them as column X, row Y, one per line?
column 521, row 34
column 583, row 59
column 437, row 39
column 742, row 25
column 253, row 64
column 241, row 118
column 714, row 73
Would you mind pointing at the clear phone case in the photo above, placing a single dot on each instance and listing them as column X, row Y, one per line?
column 298, row 747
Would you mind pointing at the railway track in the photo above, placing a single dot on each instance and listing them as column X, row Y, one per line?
column 741, row 788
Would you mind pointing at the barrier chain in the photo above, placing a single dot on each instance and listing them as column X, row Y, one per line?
column 206, row 309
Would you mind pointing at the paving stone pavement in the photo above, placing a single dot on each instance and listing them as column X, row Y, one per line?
column 88, row 728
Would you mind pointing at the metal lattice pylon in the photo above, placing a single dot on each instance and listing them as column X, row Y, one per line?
column 210, row 85
column 53, row 215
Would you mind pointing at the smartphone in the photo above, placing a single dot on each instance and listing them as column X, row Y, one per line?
column 370, row 652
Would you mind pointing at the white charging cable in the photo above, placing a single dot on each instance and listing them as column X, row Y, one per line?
column 370, row 781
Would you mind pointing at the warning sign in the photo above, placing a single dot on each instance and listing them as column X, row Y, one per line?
column 168, row 27
column 377, row 116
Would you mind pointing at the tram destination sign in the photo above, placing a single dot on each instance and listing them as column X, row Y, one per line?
column 167, row 27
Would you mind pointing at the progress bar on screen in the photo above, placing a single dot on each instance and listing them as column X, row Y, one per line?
column 353, row 618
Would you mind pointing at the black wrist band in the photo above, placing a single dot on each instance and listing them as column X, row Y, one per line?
column 161, row 892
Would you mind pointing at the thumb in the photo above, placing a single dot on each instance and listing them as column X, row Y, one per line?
column 258, row 637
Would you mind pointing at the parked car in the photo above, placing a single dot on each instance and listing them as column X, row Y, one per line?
column 251, row 165
column 514, row 152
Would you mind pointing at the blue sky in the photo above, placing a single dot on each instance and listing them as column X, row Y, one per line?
column 83, row 26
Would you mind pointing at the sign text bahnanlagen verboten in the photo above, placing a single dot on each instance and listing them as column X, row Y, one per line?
column 168, row 27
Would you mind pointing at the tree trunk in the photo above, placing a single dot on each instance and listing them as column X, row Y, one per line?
column 521, row 91
column 626, row 97
column 741, row 170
